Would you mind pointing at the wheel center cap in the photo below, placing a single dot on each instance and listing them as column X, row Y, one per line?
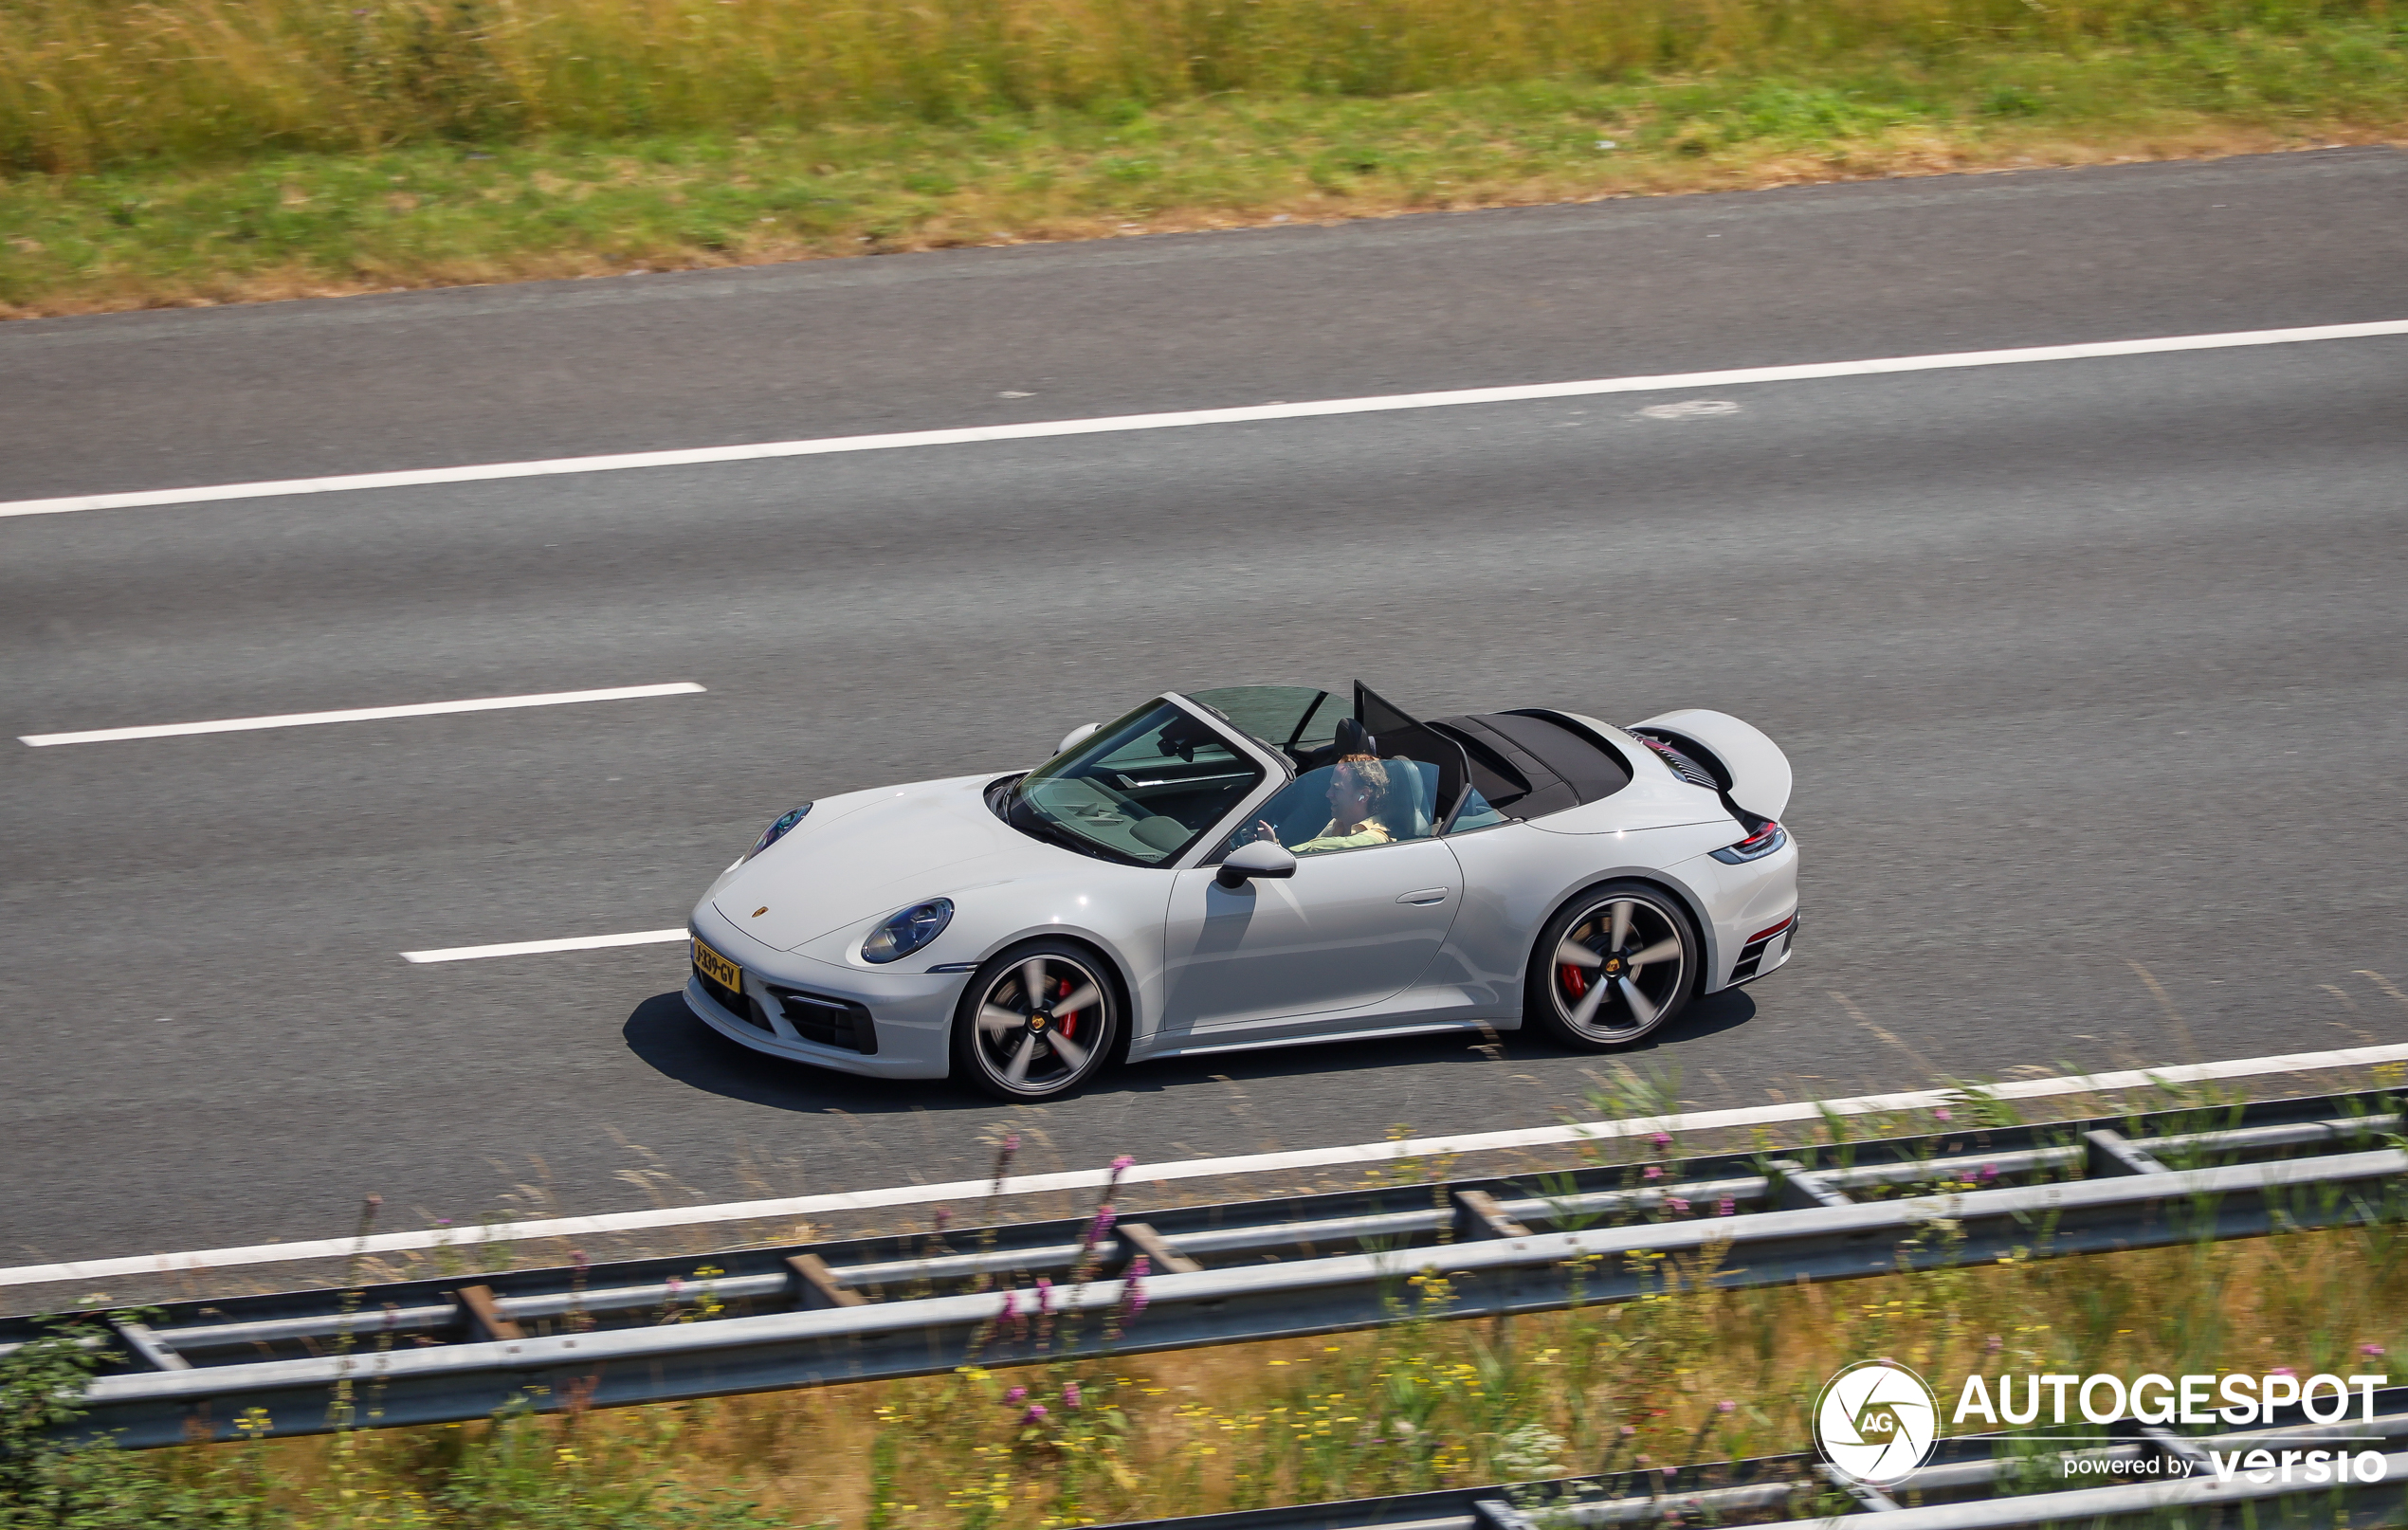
column 1037, row 1020
column 1613, row 965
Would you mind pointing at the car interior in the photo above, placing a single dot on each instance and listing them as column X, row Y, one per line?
column 1144, row 787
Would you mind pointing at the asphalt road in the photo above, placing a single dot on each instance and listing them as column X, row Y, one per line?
column 2091, row 672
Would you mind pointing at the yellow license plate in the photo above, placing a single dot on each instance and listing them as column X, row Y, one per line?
column 717, row 968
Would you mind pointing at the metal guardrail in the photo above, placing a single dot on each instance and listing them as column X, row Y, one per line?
column 655, row 1330
column 1974, row 1480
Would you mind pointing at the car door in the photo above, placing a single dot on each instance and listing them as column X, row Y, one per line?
column 1350, row 929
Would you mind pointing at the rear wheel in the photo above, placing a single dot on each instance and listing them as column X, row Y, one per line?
column 1615, row 964
column 1035, row 1021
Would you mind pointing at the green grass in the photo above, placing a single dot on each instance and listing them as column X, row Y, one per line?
column 199, row 208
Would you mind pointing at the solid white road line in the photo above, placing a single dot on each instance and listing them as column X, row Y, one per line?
column 536, row 948
column 1363, row 1152
column 362, row 714
column 1041, row 430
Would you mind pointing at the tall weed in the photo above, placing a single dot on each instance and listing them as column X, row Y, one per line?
column 93, row 83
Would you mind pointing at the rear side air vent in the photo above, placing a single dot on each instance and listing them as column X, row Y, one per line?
column 1683, row 766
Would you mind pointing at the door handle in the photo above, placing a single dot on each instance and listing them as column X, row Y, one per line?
column 1426, row 895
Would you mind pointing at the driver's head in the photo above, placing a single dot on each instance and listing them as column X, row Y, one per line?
column 1359, row 789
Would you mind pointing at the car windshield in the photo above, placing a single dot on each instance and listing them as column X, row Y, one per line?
column 1294, row 720
column 1140, row 789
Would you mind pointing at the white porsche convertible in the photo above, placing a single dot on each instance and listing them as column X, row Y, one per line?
column 1262, row 865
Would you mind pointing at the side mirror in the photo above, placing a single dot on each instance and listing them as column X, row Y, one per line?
column 1076, row 735
column 1260, row 859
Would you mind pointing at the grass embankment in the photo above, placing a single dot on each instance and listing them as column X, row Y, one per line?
column 191, row 150
column 1685, row 1375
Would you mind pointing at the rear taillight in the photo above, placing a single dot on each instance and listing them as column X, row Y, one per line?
column 1769, row 836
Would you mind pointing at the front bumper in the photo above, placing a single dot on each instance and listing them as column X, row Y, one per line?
column 911, row 1013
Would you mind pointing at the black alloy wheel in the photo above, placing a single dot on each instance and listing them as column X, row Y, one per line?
column 1617, row 963
column 1035, row 1021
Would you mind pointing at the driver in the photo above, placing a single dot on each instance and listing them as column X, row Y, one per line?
column 1360, row 791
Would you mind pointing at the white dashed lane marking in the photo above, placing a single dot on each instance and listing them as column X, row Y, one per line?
column 364, row 714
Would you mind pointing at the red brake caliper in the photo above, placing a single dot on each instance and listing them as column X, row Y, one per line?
column 1576, row 982
column 1067, row 1023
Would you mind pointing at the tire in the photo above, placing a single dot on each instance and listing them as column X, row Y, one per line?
column 1563, row 998
column 999, row 1032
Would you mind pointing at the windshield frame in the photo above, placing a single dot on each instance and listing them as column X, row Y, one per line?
column 1273, row 772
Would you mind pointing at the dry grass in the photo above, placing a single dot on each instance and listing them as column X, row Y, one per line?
column 90, row 84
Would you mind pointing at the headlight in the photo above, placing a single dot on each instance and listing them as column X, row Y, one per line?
column 777, row 831
column 908, row 931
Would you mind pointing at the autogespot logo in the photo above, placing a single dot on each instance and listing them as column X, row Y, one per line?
column 1876, row 1422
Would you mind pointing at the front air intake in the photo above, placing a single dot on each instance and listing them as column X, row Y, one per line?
column 828, row 1021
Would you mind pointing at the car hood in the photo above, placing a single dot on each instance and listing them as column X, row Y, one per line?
column 870, row 852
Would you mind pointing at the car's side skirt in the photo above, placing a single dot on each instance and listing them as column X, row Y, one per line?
column 1328, row 1037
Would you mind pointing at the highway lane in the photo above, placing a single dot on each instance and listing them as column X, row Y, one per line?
column 2082, row 665
column 1185, row 321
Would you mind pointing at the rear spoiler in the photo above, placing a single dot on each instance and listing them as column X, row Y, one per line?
column 1754, row 774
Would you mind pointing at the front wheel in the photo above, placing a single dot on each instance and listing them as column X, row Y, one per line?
column 1035, row 1021
column 1617, row 962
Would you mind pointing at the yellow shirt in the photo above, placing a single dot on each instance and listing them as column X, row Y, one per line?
column 1370, row 832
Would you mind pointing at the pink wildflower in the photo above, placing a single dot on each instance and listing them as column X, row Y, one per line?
column 1134, row 1292
column 1016, row 1394
column 1653, row 1172
column 1661, row 1140
column 1726, row 1406
column 1071, row 1396
column 1675, row 1205
column 1037, row 1413
column 1045, row 1294
column 1725, row 1207
column 2372, row 1352
column 1941, row 1115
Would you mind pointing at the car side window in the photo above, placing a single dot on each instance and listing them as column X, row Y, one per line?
column 1353, row 803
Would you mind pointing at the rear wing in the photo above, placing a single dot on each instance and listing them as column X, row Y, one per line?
column 1750, row 766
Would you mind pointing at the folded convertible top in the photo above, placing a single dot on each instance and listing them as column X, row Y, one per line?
column 1528, row 766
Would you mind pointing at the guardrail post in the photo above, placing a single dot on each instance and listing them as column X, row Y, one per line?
column 1164, row 1259
column 1496, row 1514
column 482, row 1317
column 2174, row 1446
column 139, row 1338
column 1799, row 1189
column 2112, row 1153
column 1871, row 1498
column 817, row 1286
column 1478, row 1215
